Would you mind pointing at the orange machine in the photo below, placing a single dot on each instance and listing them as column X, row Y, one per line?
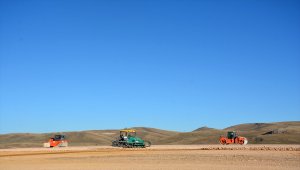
column 58, row 140
column 232, row 137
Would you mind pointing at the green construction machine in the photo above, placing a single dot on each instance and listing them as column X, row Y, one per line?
column 128, row 139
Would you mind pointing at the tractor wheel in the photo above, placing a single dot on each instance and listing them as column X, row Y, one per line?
column 114, row 143
column 245, row 141
column 127, row 145
column 222, row 141
column 147, row 144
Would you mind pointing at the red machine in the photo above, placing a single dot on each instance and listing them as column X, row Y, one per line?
column 58, row 140
column 231, row 138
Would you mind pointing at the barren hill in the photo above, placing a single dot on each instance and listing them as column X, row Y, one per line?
column 257, row 133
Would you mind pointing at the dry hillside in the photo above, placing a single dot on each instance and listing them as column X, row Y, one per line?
column 257, row 133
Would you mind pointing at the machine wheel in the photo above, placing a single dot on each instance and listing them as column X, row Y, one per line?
column 245, row 141
column 126, row 145
column 114, row 143
column 147, row 143
column 63, row 144
column 222, row 141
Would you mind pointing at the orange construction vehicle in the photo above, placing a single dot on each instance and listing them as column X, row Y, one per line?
column 58, row 140
column 232, row 137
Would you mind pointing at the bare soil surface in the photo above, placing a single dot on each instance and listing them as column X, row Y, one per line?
column 167, row 157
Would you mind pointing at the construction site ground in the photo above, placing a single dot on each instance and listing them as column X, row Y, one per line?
column 181, row 157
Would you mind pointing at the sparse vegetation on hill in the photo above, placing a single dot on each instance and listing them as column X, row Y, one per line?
column 257, row 133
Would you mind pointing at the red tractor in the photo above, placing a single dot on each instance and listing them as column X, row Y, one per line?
column 231, row 138
column 58, row 140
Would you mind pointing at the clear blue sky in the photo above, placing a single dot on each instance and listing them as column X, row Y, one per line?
column 178, row 65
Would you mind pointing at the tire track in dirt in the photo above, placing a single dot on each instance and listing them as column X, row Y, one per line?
column 36, row 151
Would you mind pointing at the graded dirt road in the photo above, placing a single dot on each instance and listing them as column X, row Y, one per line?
column 181, row 157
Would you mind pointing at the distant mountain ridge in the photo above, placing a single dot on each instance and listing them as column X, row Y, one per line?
column 257, row 133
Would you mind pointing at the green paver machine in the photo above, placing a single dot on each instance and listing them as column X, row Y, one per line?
column 128, row 139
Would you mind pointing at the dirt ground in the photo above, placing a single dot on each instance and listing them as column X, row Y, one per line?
column 158, row 157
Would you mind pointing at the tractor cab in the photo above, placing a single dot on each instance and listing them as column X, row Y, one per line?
column 126, row 133
column 59, row 137
column 231, row 135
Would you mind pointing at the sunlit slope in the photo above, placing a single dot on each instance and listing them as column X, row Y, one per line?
column 257, row 133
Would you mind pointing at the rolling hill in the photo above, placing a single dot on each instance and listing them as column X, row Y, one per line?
column 257, row 133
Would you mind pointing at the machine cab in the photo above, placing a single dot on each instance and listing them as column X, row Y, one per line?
column 126, row 133
column 59, row 137
column 231, row 135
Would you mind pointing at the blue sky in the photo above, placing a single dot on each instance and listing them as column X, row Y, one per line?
column 176, row 65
